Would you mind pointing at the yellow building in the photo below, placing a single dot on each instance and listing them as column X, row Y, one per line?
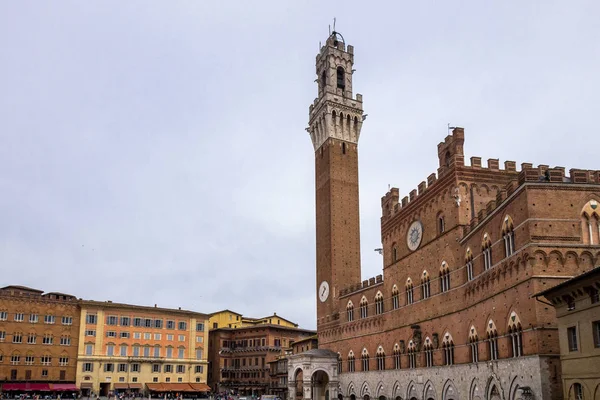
column 231, row 319
column 225, row 319
column 577, row 304
column 128, row 348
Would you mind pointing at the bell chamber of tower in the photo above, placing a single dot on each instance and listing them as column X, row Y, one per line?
column 335, row 113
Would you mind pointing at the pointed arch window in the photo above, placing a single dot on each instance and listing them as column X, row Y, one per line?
column 364, row 307
column 351, row 362
column 448, row 347
column 590, row 223
column 428, row 349
column 380, row 356
column 474, row 345
column 425, row 285
column 492, row 339
column 341, row 79
column 444, row 277
column 486, row 249
column 379, row 303
column 412, row 355
column 515, row 332
column 394, row 252
column 409, row 292
column 350, row 311
column 469, row 265
column 508, row 236
column 365, row 360
column 323, row 80
column 395, row 298
column 339, row 363
column 397, row 356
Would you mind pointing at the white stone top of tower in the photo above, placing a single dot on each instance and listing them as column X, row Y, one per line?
column 335, row 113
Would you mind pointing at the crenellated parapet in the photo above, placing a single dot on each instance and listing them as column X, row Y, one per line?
column 357, row 287
column 542, row 174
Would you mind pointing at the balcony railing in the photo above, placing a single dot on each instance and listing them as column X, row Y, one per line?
column 249, row 349
column 246, row 368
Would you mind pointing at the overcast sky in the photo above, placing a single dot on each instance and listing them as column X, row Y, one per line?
column 155, row 151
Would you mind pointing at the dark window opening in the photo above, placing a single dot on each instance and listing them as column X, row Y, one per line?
column 341, row 83
column 323, row 80
column 343, row 148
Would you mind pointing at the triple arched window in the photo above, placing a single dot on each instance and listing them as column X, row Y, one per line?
column 395, row 298
column 508, row 236
column 492, row 339
column 378, row 303
column 412, row 355
column 380, row 356
column 469, row 264
column 590, row 223
column 425, row 285
column 364, row 307
column 350, row 311
column 448, row 347
column 515, row 332
column 486, row 249
column 428, row 348
column 365, row 360
column 473, row 344
column 409, row 292
column 444, row 277
column 351, row 362
column 397, row 364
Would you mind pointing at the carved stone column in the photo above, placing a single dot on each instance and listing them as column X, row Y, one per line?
column 306, row 389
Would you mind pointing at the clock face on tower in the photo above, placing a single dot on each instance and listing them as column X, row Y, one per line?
column 323, row 291
column 414, row 235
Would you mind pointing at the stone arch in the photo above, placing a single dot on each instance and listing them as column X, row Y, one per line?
column 507, row 224
column 350, row 389
column 411, row 391
column 494, row 389
column 486, row 241
column 429, row 391
column 475, row 392
column 449, row 391
column 514, row 322
column 365, row 390
column 396, row 390
column 380, row 392
column 584, row 388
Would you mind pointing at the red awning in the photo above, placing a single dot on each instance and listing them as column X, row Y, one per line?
column 64, row 387
column 200, row 387
column 135, row 386
column 26, row 387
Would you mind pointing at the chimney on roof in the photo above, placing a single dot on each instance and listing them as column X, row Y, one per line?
column 154, row 305
column 179, row 308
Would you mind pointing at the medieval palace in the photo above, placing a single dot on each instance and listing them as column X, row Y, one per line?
column 453, row 314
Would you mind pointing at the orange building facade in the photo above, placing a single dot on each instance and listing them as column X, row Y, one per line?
column 127, row 348
column 38, row 341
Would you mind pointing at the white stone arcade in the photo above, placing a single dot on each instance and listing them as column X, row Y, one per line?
column 313, row 375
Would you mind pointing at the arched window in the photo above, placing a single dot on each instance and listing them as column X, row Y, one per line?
column 448, row 346
column 350, row 311
column 323, row 80
column 492, row 339
column 447, row 159
column 474, row 344
column 428, row 349
column 364, row 307
column 425, row 285
column 486, row 249
column 412, row 355
column 441, row 223
column 409, row 292
column 469, row 265
column 508, row 236
column 340, row 363
column 351, row 363
column 590, row 221
column 341, row 80
column 394, row 252
column 380, row 356
column 397, row 356
column 515, row 332
column 444, row 277
column 365, row 360
column 379, row 303
column 395, row 298
column 577, row 391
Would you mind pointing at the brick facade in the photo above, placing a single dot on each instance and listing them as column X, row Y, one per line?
column 454, row 308
column 38, row 336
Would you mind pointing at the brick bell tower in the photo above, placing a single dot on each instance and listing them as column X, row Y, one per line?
column 334, row 127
